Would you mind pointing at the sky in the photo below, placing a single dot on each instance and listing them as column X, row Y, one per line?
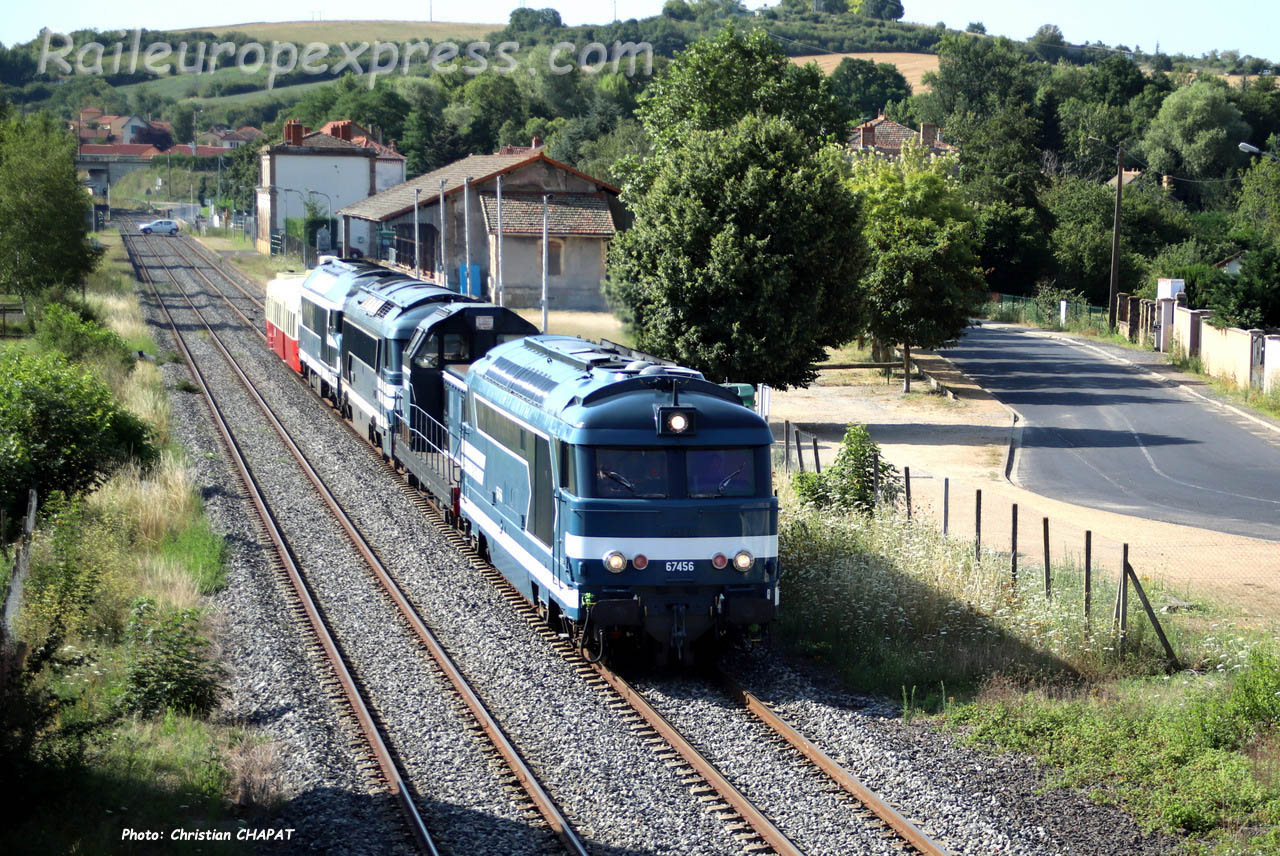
column 1178, row 26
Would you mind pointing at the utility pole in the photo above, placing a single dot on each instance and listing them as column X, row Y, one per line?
column 546, row 199
column 444, row 249
column 417, row 252
column 500, row 294
column 1115, row 241
column 466, row 233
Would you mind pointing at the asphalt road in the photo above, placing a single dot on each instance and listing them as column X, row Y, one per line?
column 1101, row 433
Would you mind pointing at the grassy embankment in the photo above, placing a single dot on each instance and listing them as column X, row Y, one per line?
column 97, row 765
column 895, row 607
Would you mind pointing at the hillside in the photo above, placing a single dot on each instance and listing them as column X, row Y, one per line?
column 355, row 31
column 912, row 65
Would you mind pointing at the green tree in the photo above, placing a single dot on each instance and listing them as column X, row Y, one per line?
column 864, row 87
column 1083, row 213
column 923, row 281
column 1250, row 298
column 1048, row 43
column 44, row 241
column 59, row 430
column 981, row 76
column 1195, row 136
column 745, row 254
column 881, row 10
column 717, row 81
column 184, row 123
column 1258, row 206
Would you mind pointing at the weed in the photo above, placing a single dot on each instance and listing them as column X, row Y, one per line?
column 168, row 664
column 858, row 480
column 184, row 385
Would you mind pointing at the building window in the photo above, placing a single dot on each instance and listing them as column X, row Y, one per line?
column 553, row 258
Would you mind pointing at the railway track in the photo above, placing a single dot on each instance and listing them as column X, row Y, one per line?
column 756, row 832
column 484, row 721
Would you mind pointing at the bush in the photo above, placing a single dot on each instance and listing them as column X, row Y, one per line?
column 60, row 430
column 849, row 484
column 81, row 340
column 169, row 665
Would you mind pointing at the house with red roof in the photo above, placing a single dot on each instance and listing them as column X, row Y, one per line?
column 884, row 137
column 457, row 211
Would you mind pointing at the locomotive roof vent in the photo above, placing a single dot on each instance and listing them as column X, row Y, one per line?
column 637, row 365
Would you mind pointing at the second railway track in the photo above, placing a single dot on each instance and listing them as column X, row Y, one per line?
column 870, row 820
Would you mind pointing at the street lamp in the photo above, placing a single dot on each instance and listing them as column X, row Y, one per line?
column 1254, row 150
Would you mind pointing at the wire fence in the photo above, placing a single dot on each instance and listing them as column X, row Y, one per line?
column 1080, row 317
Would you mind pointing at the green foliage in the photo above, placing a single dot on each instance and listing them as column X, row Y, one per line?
column 716, row 82
column 58, row 328
column 1195, row 136
column 923, row 282
column 59, row 430
column 864, row 87
column 44, row 242
column 980, row 76
column 1081, row 240
column 1251, row 298
column 735, row 225
column 1048, row 301
column 849, row 484
column 1179, row 760
column 169, row 666
column 1012, row 251
column 1258, row 207
column 1192, row 261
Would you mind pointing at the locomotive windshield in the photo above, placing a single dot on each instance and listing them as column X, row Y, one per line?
column 720, row 472
column 624, row 473
column 655, row 473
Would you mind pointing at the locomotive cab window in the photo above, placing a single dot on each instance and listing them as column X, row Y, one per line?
column 456, row 349
column 720, row 472
column 632, row 473
column 428, row 355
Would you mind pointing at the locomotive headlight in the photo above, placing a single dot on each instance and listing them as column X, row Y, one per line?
column 677, row 423
column 615, row 562
column 743, row 561
column 720, row 561
column 640, row 561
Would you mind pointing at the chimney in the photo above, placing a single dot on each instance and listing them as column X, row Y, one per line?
column 537, row 142
column 928, row 134
column 867, row 136
column 293, row 133
column 344, row 130
column 1166, row 181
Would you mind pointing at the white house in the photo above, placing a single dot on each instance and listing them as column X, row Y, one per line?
column 328, row 170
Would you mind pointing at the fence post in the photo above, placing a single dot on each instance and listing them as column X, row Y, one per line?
column 799, row 451
column 946, row 504
column 1048, row 584
column 1088, row 574
column 817, row 465
column 1151, row 614
column 906, row 481
column 977, row 526
column 875, row 481
column 1013, row 552
column 786, row 444
column 12, row 599
column 1122, row 602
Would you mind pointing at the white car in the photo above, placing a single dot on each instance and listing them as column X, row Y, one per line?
column 160, row 227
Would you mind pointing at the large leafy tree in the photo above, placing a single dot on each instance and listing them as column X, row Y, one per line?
column 745, row 254
column 863, row 87
column 1194, row 136
column 716, row 82
column 981, row 76
column 1250, row 299
column 1258, row 206
column 43, row 240
column 923, row 281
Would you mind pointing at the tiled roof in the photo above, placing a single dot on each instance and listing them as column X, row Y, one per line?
column 399, row 199
column 890, row 135
column 567, row 214
column 249, row 132
column 396, row 200
column 321, row 140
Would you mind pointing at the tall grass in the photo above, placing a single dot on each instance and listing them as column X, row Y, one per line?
column 891, row 602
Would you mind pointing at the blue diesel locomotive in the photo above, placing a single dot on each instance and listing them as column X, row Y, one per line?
column 624, row 497
column 627, row 498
